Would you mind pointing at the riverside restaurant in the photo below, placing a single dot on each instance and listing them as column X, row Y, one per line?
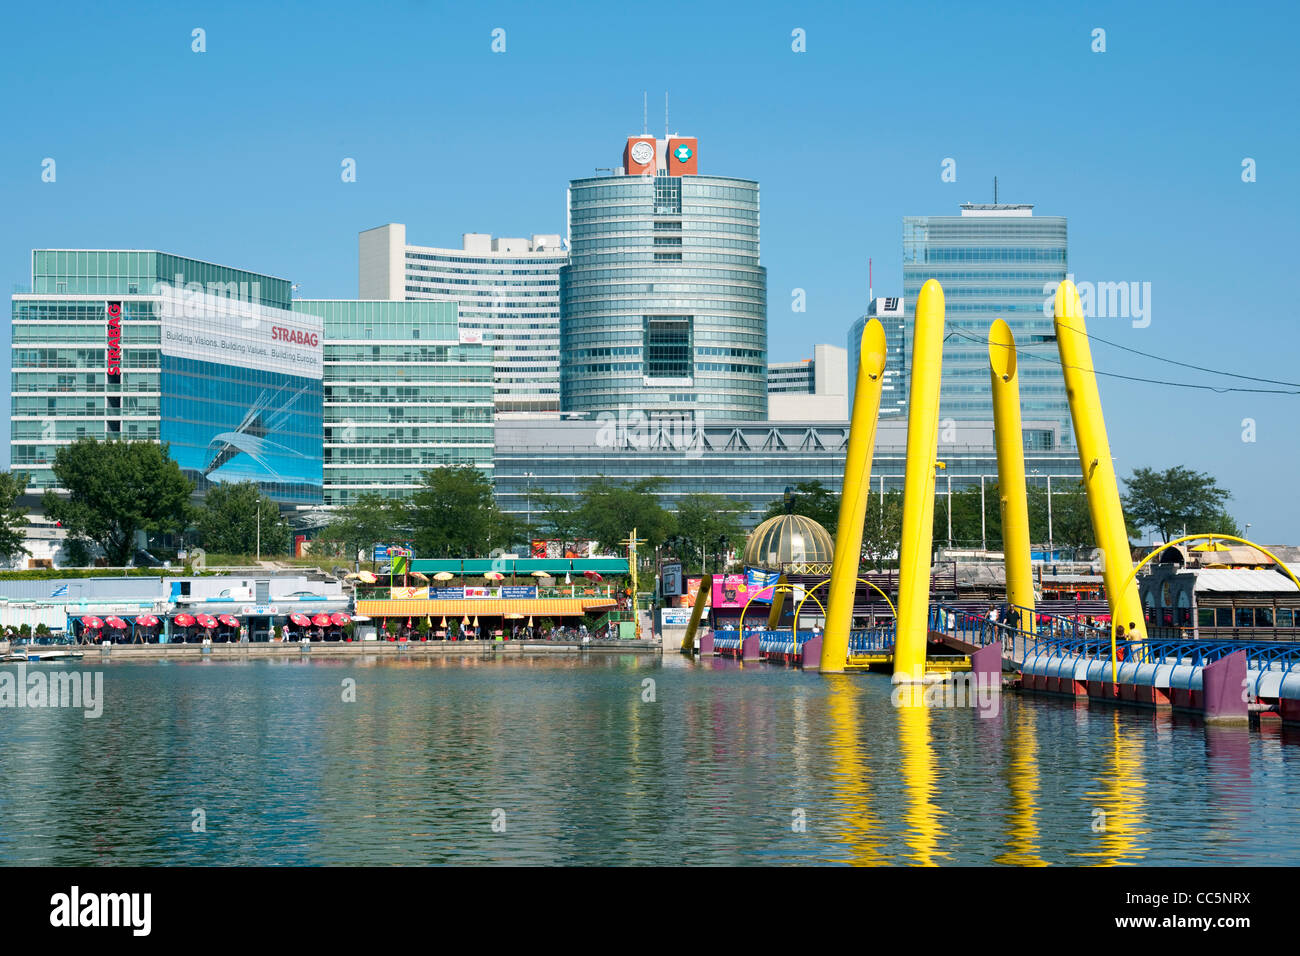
column 160, row 610
column 490, row 598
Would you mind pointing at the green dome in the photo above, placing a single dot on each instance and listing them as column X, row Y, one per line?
column 788, row 539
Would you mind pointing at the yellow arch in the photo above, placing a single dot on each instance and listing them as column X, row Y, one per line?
column 778, row 587
column 799, row 606
column 1114, row 663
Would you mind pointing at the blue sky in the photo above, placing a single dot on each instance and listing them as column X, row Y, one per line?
column 233, row 155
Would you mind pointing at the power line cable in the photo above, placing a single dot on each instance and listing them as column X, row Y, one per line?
column 1135, row 378
column 1160, row 358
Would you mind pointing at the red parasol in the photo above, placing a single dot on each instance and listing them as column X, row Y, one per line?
column 593, row 575
column 339, row 618
column 302, row 620
column 116, row 623
column 229, row 620
column 322, row 620
column 206, row 621
column 93, row 623
column 146, row 620
column 183, row 620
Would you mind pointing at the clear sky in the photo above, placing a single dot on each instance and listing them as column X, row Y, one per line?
column 234, row 155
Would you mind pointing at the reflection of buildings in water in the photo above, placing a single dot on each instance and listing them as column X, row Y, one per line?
column 803, row 746
column 861, row 832
column 917, row 764
column 1116, row 811
column 1021, row 772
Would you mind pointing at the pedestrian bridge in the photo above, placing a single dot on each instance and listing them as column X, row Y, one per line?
column 1054, row 653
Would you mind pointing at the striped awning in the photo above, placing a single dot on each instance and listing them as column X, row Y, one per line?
column 493, row 607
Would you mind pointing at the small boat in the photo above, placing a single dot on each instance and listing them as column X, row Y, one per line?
column 51, row 654
column 45, row 649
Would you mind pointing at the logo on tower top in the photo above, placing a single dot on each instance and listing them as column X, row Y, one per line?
column 682, row 152
column 642, row 152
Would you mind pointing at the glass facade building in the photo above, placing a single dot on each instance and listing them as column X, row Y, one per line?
column 147, row 346
column 993, row 262
column 892, row 315
column 508, row 295
column 663, row 303
column 751, row 463
column 402, row 395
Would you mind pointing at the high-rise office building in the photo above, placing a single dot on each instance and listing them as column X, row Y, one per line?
column 508, row 295
column 893, row 316
column 993, row 262
column 403, row 394
column 663, row 304
column 147, row 346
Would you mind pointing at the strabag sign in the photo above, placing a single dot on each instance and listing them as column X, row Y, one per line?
column 210, row 328
column 114, row 352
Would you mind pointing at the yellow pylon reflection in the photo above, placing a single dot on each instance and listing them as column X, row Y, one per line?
column 918, row 766
column 1116, row 812
column 1023, row 835
column 863, row 833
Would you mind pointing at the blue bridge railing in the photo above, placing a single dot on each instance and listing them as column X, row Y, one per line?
column 1281, row 656
column 1016, row 630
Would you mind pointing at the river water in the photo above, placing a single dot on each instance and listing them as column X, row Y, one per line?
column 619, row 760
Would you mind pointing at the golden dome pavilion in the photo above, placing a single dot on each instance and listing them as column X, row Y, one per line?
column 788, row 539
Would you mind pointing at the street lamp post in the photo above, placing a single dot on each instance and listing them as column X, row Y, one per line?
column 1050, row 543
column 1034, row 471
column 984, row 535
column 949, row 480
column 528, row 502
column 259, row 531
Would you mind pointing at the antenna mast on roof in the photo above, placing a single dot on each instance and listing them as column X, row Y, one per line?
column 995, row 190
column 871, row 291
column 665, row 114
column 645, row 116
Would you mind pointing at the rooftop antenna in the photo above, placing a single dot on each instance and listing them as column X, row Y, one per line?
column 871, row 289
column 995, row 190
column 665, row 114
column 645, row 106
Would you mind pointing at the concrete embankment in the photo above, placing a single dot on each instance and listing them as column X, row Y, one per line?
column 395, row 649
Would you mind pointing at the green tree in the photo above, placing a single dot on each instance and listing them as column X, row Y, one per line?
column 1169, row 501
column 113, row 489
column 455, row 515
column 611, row 509
column 811, row 499
column 882, row 528
column 1071, row 525
column 967, row 529
column 554, row 516
column 706, row 528
column 13, row 518
column 370, row 519
column 228, row 521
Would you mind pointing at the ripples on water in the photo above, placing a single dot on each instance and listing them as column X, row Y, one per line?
column 722, row 768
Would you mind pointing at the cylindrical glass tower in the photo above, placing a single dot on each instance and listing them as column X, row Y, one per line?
column 663, row 305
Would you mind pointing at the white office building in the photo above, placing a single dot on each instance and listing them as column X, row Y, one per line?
column 811, row 390
column 508, row 295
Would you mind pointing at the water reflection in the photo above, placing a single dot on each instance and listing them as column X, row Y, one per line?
column 1117, row 800
column 917, row 766
column 714, row 770
column 858, row 826
column 1020, row 773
